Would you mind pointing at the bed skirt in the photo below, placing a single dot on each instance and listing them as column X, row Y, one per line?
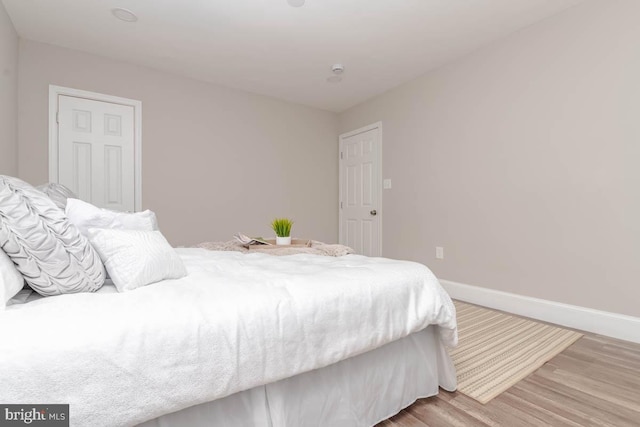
column 359, row 391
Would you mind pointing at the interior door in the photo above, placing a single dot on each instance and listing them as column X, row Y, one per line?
column 96, row 151
column 360, row 190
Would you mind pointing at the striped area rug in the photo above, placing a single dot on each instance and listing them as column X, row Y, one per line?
column 496, row 350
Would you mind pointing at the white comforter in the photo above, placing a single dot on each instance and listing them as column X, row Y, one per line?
column 235, row 322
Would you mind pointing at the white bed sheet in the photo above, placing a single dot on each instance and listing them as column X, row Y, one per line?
column 358, row 392
column 237, row 321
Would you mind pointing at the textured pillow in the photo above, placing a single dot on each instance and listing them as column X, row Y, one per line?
column 85, row 216
column 58, row 193
column 136, row 258
column 11, row 281
column 46, row 248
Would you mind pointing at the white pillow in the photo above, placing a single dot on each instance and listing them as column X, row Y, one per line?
column 11, row 281
column 135, row 258
column 85, row 216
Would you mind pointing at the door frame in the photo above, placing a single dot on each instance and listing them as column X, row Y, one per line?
column 56, row 91
column 378, row 178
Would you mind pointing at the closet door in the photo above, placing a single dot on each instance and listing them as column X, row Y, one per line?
column 96, row 156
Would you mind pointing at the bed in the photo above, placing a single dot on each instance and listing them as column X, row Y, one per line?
column 242, row 340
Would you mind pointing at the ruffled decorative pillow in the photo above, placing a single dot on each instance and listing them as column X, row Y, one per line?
column 46, row 248
column 58, row 193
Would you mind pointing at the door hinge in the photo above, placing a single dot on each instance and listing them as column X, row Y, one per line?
column 340, row 205
column 341, row 155
column 57, row 117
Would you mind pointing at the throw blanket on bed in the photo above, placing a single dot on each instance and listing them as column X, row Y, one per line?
column 316, row 248
column 235, row 322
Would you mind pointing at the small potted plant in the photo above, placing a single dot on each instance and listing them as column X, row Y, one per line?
column 282, row 228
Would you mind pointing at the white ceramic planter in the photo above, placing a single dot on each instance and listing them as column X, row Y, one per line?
column 283, row 240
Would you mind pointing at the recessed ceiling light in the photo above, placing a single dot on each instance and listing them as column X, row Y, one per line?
column 296, row 3
column 124, row 15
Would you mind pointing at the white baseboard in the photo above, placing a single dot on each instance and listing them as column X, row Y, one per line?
column 586, row 319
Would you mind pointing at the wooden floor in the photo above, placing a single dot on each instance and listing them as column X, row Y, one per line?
column 595, row 382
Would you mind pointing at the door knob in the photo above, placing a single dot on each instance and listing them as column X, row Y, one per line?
column 374, row 212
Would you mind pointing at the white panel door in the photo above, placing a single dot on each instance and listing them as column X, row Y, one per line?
column 360, row 194
column 96, row 151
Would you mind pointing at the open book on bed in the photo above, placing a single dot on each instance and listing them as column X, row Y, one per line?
column 248, row 241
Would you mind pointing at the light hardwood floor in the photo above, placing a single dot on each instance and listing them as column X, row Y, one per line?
column 594, row 382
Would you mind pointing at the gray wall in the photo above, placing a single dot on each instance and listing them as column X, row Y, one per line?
column 215, row 160
column 522, row 161
column 8, row 96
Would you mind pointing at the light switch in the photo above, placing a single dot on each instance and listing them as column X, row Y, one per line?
column 386, row 184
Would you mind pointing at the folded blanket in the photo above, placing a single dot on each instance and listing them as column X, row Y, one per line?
column 316, row 248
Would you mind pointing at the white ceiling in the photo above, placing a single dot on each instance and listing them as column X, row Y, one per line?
column 271, row 48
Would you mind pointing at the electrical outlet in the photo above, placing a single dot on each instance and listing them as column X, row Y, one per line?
column 386, row 184
column 439, row 252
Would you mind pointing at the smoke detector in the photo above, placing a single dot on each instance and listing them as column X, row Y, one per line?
column 295, row 3
column 337, row 69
